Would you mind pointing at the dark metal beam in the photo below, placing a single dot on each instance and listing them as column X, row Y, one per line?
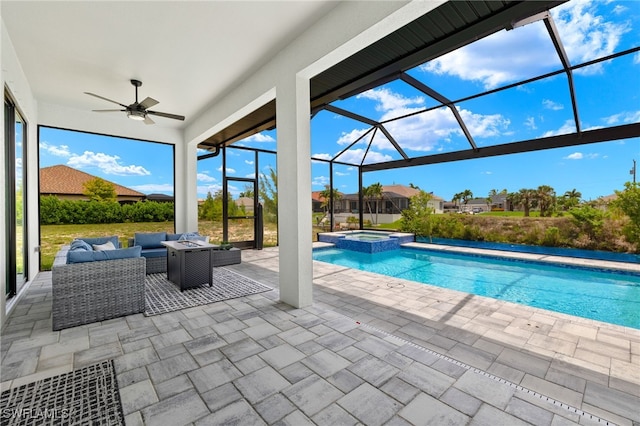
column 393, row 141
column 586, row 137
column 443, row 100
column 566, row 64
column 351, row 115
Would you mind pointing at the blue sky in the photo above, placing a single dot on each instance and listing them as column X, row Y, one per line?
column 607, row 94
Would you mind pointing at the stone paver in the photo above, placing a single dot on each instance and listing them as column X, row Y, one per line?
column 357, row 356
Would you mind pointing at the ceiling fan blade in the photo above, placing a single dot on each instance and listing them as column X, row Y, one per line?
column 148, row 120
column 108, row 110
column 148, row 103
column 167, row 115
column 105, row 99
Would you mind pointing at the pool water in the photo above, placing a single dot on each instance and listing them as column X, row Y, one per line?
column 600, row 295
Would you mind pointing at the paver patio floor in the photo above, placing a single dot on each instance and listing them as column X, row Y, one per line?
column 370, row 350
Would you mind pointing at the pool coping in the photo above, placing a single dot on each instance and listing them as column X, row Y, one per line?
column 551, row 259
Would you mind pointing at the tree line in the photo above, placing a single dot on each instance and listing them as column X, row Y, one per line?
column 578, row 224
column 543, row 198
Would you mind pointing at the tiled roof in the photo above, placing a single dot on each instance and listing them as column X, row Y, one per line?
column 65, row 180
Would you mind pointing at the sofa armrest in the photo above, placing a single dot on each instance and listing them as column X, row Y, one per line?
column 96, row 291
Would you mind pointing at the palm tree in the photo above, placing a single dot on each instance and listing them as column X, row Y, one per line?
column 327, row 193
column 466, row 196
column 373, row 192
column 527, row 197
column 457, row 197
column 571, row 199
column 545, row 196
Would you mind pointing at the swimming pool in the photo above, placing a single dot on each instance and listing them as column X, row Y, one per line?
column 600, row 295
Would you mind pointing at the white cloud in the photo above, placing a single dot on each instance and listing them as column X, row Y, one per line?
column 320, row 181
column 107, row 163
column 619, row 9
column 248, row 162
column 229, row 169
column 259, row 137
column 424, row 131
column 636, row 58
column 487, row 173
column 499, row 58
column 568, row 127
column 355, row 156
column 581, row 156
column 342, row 174
column 347, row 138
column 390, row 101
column 57, row 150
column 250, row 176
column 203, row 177
column 530, row 122
column 549, row 104
column 322, row 156
column 203, row 189
column 509, row 56
column 574, row 156
column 153, row 188
column 584, row 34
column 623, row 117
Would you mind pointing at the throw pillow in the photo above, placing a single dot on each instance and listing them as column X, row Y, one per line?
column 80, row 245
column 104, row 247
column 101, row 240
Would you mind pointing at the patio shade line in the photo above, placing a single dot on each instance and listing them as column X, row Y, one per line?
column 608, row 134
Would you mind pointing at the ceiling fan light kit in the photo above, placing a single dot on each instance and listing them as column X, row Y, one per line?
column 136, row 115
column 138, row 110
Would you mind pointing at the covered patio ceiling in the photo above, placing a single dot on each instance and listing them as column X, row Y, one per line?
column 450, row 26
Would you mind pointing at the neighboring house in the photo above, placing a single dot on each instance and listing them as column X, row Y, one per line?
column 499, row 203
column 316, row 202
column 476, row 205
column 387, row 209
column 245, row 202
column 602, row 203
column 160, row 198
column 68, row 183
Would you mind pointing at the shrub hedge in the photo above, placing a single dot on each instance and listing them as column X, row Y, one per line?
column 54, row 211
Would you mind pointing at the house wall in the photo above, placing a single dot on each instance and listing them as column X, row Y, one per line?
column 15, row 81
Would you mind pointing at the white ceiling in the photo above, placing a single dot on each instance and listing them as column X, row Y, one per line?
column 187, row 54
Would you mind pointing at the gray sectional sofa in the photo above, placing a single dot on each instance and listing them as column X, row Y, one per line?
column 91, row 285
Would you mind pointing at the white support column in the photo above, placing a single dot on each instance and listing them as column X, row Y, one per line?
column 294, row 190
column 185, row 187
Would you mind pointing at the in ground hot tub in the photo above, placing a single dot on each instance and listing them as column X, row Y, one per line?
column 366, row 241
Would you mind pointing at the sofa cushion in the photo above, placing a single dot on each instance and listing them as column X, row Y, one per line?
column 104, row 247
column 173, row 237
column 101, row 240
column 80, row 245
column 149, row 240
column 96, row 256
column 156, row 252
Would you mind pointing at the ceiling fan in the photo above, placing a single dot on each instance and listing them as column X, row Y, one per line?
column 138, row 110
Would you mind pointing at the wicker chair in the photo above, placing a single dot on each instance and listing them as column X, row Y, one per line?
column 84, row 293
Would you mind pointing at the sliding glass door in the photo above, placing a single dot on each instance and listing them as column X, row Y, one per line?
column 16, row 229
